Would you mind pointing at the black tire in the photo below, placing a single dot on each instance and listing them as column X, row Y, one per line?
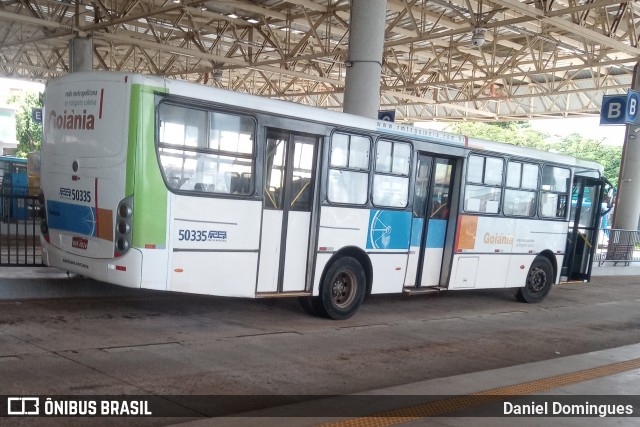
column 539, row 282
column 311, row 305
column 342, row 289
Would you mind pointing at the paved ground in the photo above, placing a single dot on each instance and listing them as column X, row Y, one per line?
column 169, row 344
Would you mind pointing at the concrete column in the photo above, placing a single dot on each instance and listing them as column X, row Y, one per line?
column 364, row 64
column 627, row 207
column 81, row 54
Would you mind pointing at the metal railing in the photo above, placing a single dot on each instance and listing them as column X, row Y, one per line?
column 618, row 246
column 19, row 230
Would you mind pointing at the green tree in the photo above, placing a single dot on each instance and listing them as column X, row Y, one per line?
column 591, row 149
column 522, row 134
column 515, row 133
column 28, row 132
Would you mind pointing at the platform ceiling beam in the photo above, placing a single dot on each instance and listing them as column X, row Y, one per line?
column 539, row 58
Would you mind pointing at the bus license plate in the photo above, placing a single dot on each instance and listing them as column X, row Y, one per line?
column 79, row 242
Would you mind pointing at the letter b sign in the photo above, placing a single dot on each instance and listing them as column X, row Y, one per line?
column 631, row 113
column 613, row 110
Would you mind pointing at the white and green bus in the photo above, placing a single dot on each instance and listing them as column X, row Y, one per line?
column 162, row 184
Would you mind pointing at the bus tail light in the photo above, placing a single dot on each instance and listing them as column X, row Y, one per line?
column 124, row 222
column 42, row 213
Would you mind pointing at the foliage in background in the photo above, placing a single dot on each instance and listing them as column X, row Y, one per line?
column 522, row 134
column 515, row 133
column 28, row 132
column 585, row 148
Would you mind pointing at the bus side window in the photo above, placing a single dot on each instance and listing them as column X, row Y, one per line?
column 483, row 188
column 301, row 194
column 348, row 180
column 554, row 192
column 522, row 185
column 206, row 151
column 391, row 178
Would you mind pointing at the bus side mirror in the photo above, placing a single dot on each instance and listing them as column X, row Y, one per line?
column 610, row 197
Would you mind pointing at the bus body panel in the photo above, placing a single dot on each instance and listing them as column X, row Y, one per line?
column 223, row 274
column 322, row 259
column 109, row 155
column 490, row 271
column 383, row 234
column 464, row 272
column 155, row 269
column 433, row 253
column 341, row 227
column 125, row 271
column 84, row 226
column 85, row 151
column 518, row 269
column 431, row 266
column 414, row 253
column 388, row 272
column 388, row 240
column 503, row 249
column 214, row 244
column 297, row 248
column 479, row 234
column 84, row 116
column 270, row 250
column 144, row 179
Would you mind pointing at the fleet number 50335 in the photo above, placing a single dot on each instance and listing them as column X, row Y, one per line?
column 201, row 235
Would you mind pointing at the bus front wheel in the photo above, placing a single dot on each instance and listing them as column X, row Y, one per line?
column 343, row 289
column 539, row 281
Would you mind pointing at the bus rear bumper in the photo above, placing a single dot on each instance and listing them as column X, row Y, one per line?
column 123, row 271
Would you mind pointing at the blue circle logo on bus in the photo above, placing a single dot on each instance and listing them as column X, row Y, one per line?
column 89, row 222
column 379, row 231
column 389, row 229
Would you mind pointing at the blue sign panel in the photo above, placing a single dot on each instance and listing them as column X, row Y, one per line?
column 387, row 116
column 36, row 115
column 631, row 112
column 613, row 110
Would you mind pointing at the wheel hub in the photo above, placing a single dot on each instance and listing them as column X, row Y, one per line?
column 342, row 290
column 538, row 280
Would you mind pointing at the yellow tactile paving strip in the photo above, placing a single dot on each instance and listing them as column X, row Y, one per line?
column 440, row 407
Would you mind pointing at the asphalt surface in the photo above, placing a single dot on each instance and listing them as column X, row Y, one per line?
column 122, row 341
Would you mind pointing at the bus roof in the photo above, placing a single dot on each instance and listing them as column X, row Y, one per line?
column 315, row 114
column 514, row 150
column 13, row 159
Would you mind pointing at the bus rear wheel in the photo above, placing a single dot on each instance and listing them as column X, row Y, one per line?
column 539, row 281
column 343, row 289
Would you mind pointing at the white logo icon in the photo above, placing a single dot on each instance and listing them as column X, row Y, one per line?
column 23, row 406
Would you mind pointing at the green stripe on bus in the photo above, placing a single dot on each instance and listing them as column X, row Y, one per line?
column 143, row 173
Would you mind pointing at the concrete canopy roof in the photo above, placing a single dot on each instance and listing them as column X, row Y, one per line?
column 540, row 58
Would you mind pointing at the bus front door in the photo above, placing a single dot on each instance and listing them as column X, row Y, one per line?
column 431, row 208
column 584, row 219
column 290, row 161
